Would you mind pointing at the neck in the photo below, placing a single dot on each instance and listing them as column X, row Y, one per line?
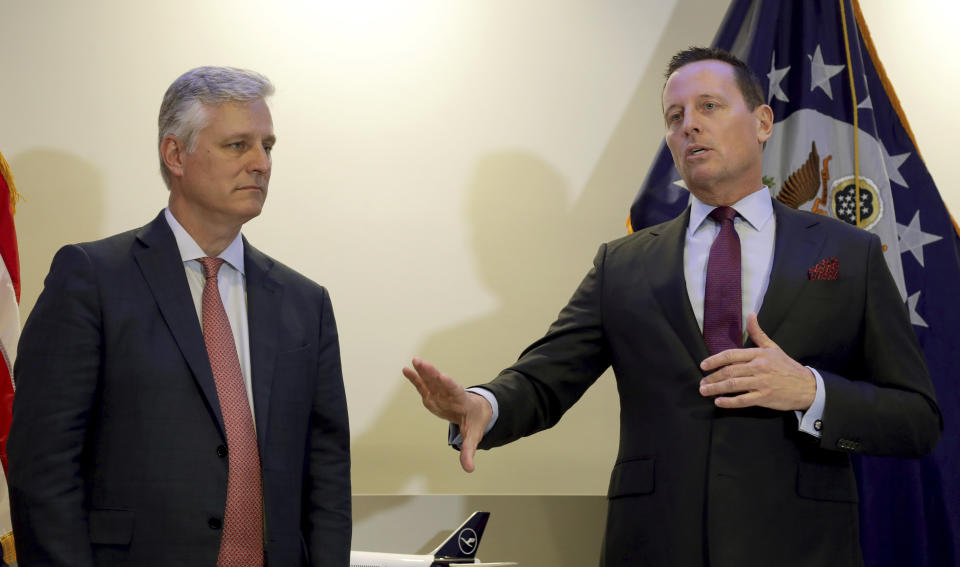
column 725, row 196
column 212, row 237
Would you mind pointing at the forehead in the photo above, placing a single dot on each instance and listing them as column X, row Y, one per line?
column 710, row 77
column 239, row 118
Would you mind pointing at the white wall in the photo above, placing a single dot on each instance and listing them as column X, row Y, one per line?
column 447, row 169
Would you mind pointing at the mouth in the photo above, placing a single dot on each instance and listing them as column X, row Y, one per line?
column 696, row 151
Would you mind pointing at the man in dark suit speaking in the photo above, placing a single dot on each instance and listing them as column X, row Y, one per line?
column 179, row 393
column 736, row 428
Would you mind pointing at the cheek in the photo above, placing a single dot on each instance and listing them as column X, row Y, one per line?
column 674, row 146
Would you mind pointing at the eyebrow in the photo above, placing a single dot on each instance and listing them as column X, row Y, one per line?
column 272, row 138
column 701, row 96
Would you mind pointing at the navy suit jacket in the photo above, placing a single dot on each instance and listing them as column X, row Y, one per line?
column 117, row 447
column 695, row 485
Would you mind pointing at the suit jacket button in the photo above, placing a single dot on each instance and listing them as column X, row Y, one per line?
column 222, row 451
column 215, row 523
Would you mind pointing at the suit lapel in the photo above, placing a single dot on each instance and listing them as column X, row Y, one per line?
column 798, row 242
column 159, row 261
column 263, row 314
column 669, row 284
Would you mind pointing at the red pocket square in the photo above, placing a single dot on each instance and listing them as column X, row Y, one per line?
column 827, row 269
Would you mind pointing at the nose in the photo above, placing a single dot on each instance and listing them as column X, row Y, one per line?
column 260, row 160
column 691, row 123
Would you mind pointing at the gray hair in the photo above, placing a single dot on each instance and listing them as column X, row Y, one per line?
column 183, row 111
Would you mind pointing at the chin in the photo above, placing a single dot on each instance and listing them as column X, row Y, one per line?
column 249, row 210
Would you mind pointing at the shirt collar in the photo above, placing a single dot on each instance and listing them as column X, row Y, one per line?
column 190, row 250
column 756, row 208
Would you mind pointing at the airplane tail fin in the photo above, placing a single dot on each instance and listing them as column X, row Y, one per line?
column 464, row 541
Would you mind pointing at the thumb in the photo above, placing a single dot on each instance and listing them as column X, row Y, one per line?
column 757, row 335
column 467, row 450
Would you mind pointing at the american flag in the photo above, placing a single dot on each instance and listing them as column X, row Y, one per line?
column 9, row 333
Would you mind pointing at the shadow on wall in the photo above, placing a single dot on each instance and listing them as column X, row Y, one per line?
column 63, row 200
column 520, row 228
column 519, row 217
column 525, row 234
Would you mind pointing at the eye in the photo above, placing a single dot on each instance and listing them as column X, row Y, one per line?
column 268, row 149
column 710, row 105
column 239, row 146
column 673, row 117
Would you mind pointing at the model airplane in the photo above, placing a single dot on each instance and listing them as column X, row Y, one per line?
column 458, row 549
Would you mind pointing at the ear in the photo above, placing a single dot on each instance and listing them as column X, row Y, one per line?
column 173, row 153
column 764, row 115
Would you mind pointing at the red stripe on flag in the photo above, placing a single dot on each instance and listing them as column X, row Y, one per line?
column 8, row 231
column 11, row 260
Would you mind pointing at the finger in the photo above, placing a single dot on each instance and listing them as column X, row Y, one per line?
column 756, row 333
column 748, row 399
column 414, row 378
column 411, row 374
column 728, row 357
column 426, row 370
column 733, row 370
column 467, row 451
column 434, row 380
column 736, row 385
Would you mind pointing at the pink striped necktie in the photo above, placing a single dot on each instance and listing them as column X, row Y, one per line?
column 241, row 543
column 722, row 312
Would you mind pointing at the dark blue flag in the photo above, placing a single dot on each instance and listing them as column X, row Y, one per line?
column 842, row 147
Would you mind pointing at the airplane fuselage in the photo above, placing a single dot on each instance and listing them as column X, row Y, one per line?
column 374, row 559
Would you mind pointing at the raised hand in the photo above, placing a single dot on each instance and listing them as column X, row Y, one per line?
column 447, row 399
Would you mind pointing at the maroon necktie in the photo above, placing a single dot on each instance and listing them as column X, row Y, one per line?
column 722, row 326
column 241, row 543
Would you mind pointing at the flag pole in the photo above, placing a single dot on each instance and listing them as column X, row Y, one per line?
column 856, row 121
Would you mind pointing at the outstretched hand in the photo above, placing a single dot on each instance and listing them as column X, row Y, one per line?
column 447, row 399
column 762, row 376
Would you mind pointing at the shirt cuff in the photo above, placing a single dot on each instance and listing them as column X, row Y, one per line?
column 810, row 420
column 453, row 434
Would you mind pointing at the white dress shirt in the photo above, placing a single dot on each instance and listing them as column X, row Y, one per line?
column 231, row 283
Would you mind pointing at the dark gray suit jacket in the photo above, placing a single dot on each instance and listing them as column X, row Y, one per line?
column 117, row 448
column 696, row 485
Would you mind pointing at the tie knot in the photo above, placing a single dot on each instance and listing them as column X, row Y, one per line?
column 721, row 214
column 211, row 266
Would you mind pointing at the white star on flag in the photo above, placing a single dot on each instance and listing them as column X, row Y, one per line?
column 775, row 76
column 821, row 73
column 915, row 318
column 913, row 239
column 893, row 163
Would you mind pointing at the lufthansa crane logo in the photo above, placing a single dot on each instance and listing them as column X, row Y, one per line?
column 467, row 539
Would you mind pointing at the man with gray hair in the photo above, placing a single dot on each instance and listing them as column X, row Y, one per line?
column 179, row 393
